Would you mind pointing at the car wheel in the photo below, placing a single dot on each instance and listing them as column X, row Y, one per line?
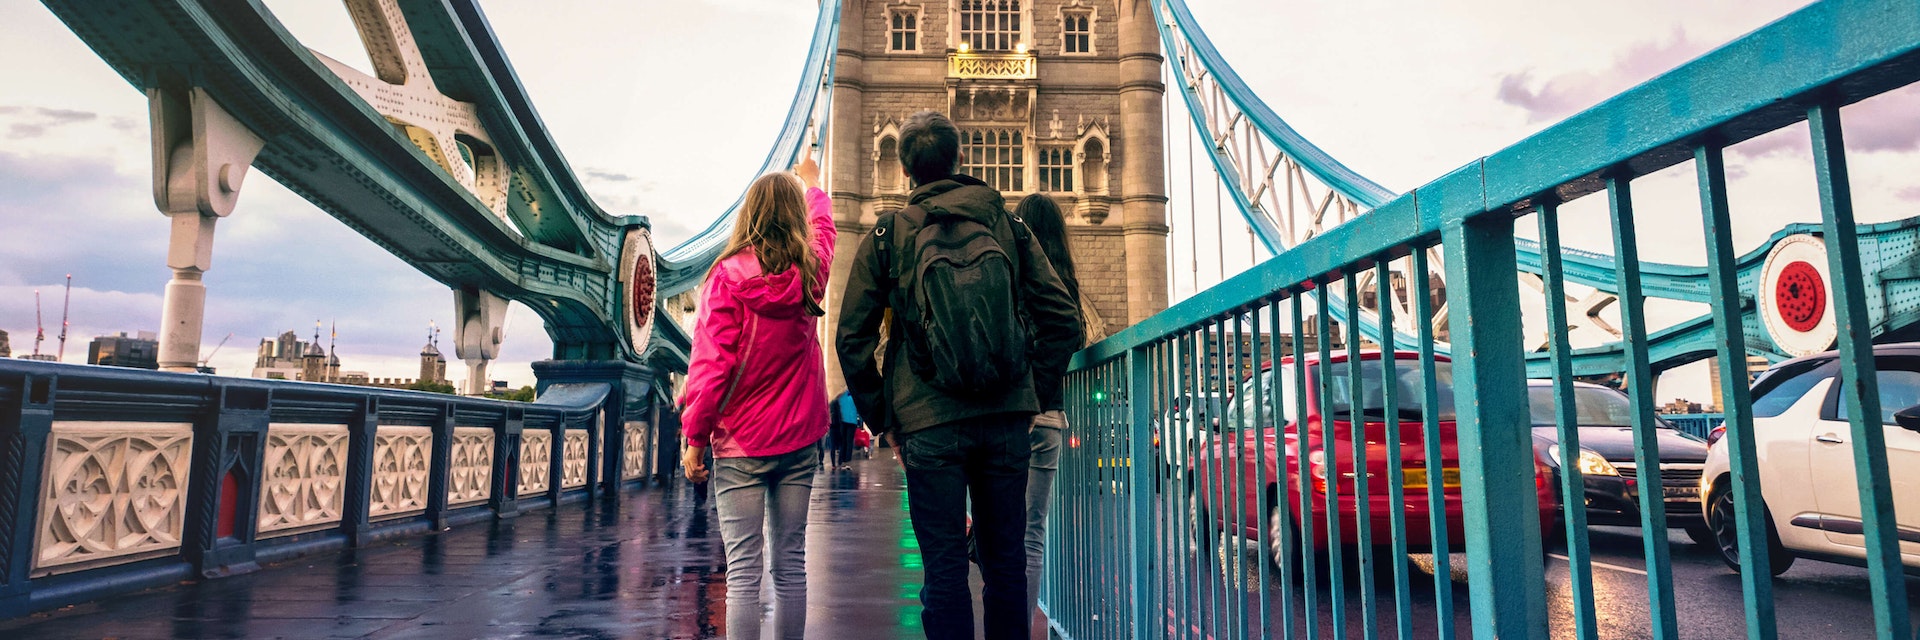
column 1726, row 537
column 1702, row 535
column 1201, row 522
column 1276, row 552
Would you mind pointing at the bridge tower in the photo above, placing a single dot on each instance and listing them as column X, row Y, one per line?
column 1061, row 97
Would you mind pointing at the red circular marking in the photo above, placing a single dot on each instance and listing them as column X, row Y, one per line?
column 642, row 307
column 1801, row 296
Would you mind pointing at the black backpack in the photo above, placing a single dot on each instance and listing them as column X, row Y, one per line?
column 957, row 302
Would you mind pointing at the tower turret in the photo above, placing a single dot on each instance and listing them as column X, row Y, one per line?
column 313, row 363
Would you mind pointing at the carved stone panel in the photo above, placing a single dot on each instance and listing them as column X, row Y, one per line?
column 400, row 470
column 536, row 453
column 472, row 472
column 111, row 492
column 305, row 470
column 634, row 456
column 573, row 466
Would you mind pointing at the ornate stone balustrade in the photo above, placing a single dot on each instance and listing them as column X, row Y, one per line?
column 573, row 460
column 399, row 470
column 115, row 480
column 633, row 453
column 111, row 491
column 536, row 458
column 991, row 66
column 305, row 466
column 472, row 475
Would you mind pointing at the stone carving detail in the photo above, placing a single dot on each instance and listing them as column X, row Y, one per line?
column 991, row 66
column 633, row 453
column 400, row 465
column 472, row 473
column 305, row 466
column 536, row 453
column 111, row 492
column 573, row 462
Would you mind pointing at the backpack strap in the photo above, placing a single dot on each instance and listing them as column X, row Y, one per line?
column 883, row 244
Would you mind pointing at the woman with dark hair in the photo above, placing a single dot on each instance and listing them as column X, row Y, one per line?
column 1049, row 228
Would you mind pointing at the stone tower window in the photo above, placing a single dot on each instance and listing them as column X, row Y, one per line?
column 1056, row 169
column 1093, row 165
column 886, row 169
column 903, row 29
column 1076, row 29
column 991, row 25
column 997, row 157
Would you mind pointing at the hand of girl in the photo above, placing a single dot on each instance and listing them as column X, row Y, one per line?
column 694, row 461
column 808, row 170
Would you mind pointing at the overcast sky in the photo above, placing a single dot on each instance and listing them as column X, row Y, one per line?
column 666, row 108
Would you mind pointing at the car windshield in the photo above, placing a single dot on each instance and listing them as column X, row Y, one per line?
column 1409, row 383
column 1591, row 407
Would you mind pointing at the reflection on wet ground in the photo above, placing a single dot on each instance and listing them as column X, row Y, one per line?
column 648, row 565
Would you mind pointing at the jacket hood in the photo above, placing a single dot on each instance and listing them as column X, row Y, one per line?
column 961, row 195
column 772, row 295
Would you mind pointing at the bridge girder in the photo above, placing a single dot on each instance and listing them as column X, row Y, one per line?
column 551, row 248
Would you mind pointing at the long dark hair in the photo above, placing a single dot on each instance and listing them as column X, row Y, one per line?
column 1050, row 229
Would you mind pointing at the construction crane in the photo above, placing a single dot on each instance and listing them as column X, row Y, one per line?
column 203, row 368
column 65, row 305
column 39, row 327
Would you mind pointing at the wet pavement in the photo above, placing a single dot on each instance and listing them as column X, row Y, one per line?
column 648, row 565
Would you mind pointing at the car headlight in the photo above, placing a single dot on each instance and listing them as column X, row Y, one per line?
column 1590, row 463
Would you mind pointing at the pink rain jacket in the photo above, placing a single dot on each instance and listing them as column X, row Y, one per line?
column 757, row 386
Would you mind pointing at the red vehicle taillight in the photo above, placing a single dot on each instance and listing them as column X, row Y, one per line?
column 1716, row 434
column 1318, row 467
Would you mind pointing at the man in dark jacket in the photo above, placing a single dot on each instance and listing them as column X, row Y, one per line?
column 950, row 442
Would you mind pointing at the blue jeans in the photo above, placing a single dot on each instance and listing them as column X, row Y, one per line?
column 986, row 457
column 1045, row 463
column 763, row 509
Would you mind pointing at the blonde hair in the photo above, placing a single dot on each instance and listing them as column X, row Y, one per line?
column 773, row 223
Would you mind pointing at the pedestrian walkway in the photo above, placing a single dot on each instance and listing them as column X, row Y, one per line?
column 648, row 565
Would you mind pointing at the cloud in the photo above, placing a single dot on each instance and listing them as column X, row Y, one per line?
column 1562, row 95
column 608, row 176
column 28, row 123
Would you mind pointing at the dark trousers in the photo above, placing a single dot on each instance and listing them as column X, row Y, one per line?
column 843, row 442
column 987, row 456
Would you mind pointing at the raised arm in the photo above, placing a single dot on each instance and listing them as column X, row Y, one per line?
column 819, row 214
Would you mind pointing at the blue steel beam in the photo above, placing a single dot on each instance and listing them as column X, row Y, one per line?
column 684, row 266
column 1892, row 244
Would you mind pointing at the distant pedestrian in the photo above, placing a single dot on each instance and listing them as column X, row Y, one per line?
column 756, row 391
column 845, row 420
column 980, row 335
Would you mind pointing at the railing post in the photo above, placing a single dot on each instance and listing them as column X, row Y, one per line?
column 613, row 448
column 1504, row 565
column 556, row 460
column 1140, row 514
column 504, row 498
column 440, row 467
column 26, row 420
column 230, row 441
column 359, row 476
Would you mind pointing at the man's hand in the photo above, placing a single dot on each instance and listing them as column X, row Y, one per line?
column 693, row 460
column 808, row 170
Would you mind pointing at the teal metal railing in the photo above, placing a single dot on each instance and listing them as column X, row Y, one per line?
column 1173, row 523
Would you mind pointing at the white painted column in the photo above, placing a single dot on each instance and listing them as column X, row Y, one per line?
column 478, row 334
column 200, row 156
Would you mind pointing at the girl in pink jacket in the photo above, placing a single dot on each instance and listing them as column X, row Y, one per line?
column 756, row 391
